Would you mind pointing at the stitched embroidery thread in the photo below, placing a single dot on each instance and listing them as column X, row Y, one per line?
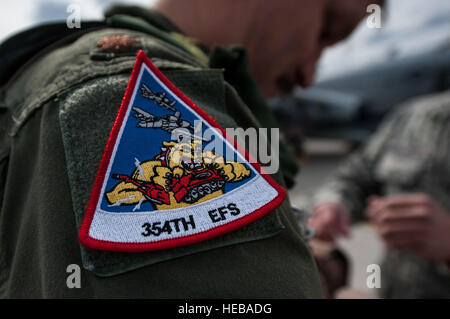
column 160, row 184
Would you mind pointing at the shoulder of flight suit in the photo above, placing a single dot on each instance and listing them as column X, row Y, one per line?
column 74, row 64
column 62, row 108
column 432, row 107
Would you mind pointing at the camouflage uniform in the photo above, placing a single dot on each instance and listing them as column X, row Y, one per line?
column 60, row 93
column 410, row 153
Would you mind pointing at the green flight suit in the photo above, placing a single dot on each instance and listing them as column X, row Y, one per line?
column 58, row 102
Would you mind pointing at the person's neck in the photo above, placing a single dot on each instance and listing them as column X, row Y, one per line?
column 212, row 22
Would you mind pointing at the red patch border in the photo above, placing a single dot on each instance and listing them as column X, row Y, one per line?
column 97, row 244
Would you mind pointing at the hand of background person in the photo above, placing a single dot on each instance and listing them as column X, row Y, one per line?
column 330, row 220
column 412, row 222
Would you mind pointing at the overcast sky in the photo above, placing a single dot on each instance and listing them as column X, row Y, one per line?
column 412, row 27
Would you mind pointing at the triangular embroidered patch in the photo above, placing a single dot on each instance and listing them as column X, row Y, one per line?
column 170, row 176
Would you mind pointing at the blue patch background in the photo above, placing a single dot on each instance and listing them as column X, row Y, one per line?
column 145, row 143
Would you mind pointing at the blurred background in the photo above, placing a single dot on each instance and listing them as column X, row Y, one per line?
column 357, row 83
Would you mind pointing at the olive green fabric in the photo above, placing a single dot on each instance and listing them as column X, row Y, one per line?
column 19, row 49
column 85, row 133
column 59, row 110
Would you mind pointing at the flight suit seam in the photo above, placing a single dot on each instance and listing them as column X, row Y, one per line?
column 61, row 85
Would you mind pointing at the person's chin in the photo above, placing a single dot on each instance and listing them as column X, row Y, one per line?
column 305, row 75
column 277, row 87
column 268, row 90
column 284, row 86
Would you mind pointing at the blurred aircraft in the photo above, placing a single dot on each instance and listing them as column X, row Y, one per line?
column 350, row 106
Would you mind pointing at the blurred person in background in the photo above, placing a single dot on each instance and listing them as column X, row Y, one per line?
column 400, row 181
column 60, row 91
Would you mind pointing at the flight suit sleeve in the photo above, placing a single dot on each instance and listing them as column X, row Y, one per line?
column 355, row 179
column 4, row 148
